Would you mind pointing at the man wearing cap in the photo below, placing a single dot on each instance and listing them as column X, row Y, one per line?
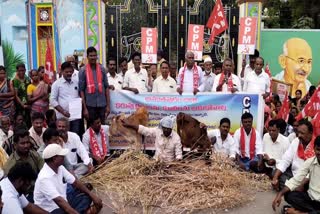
column 209, row 76
column 167, row 142
column 50, row 191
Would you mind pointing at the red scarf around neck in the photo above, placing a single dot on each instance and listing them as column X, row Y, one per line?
column 195, row 77
column 90, row 80
column 222, row 79
column 94, row 144
column 304, row 154
column 252, row 142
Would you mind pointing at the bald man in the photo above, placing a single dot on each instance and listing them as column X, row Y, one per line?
column 296, row 62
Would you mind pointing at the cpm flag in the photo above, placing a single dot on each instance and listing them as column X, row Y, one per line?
column 217, row 21
column 285, row 109
column 312, row 107
column 316, row 124
column 49, row 66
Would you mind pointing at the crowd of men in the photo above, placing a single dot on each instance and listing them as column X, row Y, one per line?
column 44, row 151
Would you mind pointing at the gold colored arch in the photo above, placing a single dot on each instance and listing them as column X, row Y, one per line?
column 152, row 7
column 194, row 10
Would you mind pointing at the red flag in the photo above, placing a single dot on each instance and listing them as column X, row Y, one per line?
column 285, row 109
column 217, row 21
column 312, row 107
column 49, row 67
column 267, row 70
column 316, row 124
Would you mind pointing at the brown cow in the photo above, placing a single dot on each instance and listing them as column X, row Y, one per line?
column 140, row 117
column 192, row 136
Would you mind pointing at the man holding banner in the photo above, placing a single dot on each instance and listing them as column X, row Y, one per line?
column 190, row 78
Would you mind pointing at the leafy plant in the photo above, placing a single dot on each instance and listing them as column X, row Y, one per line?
column 304, row 23
column 11, row 59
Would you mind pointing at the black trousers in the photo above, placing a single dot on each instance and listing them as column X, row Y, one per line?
column 302, row 202
column 98, row 111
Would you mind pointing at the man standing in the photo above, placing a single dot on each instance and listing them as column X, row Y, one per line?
column 209, row 76
column 123, row 66
column 37, row 128
column 167, row 142
column 160, row 59
column 94, row 87
column 299, row 150
column 136, row 79
column 72, row 142
column 257, row 81
column 13, row 187
column 115, row 80
column 296, row 62
column 164, row 83
column 50, row 191
column 249, row 145
column 248, row 68
column 227, row 81
column 173, row 70
column 223, row 142
column 72, row 61
column 303, row 201
column 63, row 91
column 190, row 78
column 274, row 146
column 96, row 140
column 5, row 131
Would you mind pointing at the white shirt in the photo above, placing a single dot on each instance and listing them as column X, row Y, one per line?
column 4, row 137
column 275, row 150
column 280, row 76
column 63, row 91
column 116, row 81
column 227, row 147
column 86, row 139
column 208, row 81
column 13, row 202
column 235, row 80
column 259, row 146
column 38, row 139
column 257, row 83
column 50, row 185
column 161, row 85
column 138, row 80
column 292, row 136
column 76, row 147
column 188, row 79
column 290, row 157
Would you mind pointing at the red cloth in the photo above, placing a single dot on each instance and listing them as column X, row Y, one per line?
column 316, row 124
column 94, row 144
column 222, row 79
column 90, row 81
column 195, row 77
column 312, row 106
column 285, row 109
column 217, row 21
column 267, row 70
column 49, row 75
column 308, row 152
column 252, row 143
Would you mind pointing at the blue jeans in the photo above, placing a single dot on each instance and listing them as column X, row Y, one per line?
column 77, row 200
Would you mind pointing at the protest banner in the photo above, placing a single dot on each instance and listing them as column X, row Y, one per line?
column 195, row 40
column 149, row 41
column 208, row 108
column 247, row 35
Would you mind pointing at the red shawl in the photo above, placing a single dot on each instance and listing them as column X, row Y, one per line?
column 308, row 152
column 195, row 77
column 222, row 79
column 94, row 144
column 90, row 81
column 252, row 143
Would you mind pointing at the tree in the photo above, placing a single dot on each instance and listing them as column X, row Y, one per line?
column 306, row 8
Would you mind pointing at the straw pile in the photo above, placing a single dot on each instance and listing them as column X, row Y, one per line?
column 134, row 180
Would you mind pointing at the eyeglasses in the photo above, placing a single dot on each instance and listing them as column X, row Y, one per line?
column 302, row 61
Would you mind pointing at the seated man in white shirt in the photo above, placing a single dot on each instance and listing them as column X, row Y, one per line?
column 136, row 79
column 15, row 186
column 274, row 146
column 227, row 81
column 72, row 142
column 50, row 192
column 257, row 81
column 222, row 140
column 303, row 201
column 190, row 77
column 96, row 140
column 299, row 150
column 249, row 145
column 5, row 131
column 167, row 142
column 209, row 76
column 115, row 80
column 164, row 83
column 37, row 128
column 294, row 134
